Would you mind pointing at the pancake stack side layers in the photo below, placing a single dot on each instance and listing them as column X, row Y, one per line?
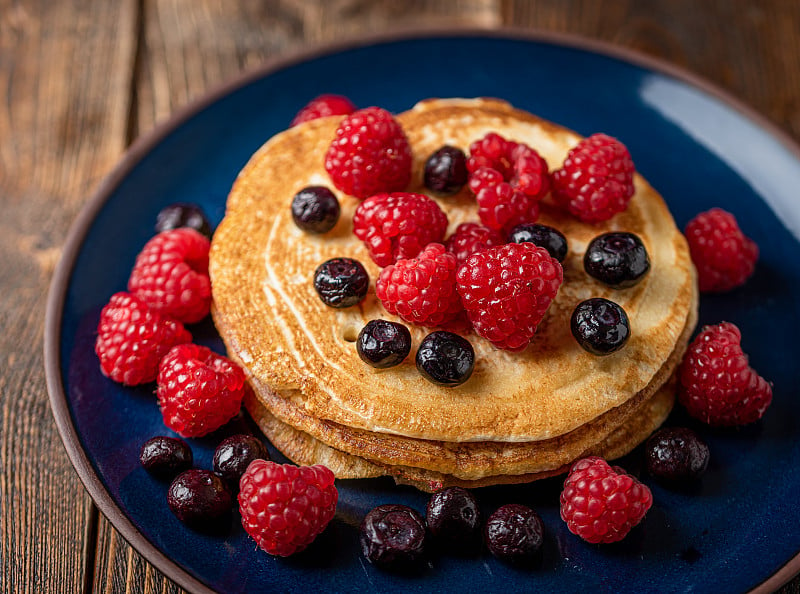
column 521, row 415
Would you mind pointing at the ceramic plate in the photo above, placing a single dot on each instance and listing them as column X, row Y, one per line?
column 737, row 528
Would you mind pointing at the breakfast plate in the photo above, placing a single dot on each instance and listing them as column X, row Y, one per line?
column 738, row 529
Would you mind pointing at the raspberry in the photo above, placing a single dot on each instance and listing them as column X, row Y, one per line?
column 171, row 275
column 723, row 256
column 508, row 180
column 132, row 339
column 285, row 507
column 469, row 238
column 718, row 386
column 370, row 154
column 506, row 291
column 600, row 503
column 324, row 105
column 198, row 390
column 421, row 290
column 596, row 180
column 398, row 225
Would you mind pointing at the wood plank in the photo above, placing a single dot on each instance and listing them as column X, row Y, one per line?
column 191, row 46
column 62, row 128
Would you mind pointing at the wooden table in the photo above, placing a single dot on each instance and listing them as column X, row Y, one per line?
column 84, row 78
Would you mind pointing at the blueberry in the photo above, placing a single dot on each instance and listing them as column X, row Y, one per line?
column 183, row 214
column 547, row 237
column 453, row 517
column 315, row 209
column 165, row 457
column 234, row 454
column 393, row 536
column 600, row 326
column 445, row 358
column 446, row 171
column 514, row 533
column 617, row 259
column 200, row 499
column 382, row 343
column 341, row 282
column 676, row 455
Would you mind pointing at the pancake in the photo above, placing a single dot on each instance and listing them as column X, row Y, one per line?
column 302, row 448
column 467, row 460
column 293, row 346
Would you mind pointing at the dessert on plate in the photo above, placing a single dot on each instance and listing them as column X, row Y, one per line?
column 522, row 414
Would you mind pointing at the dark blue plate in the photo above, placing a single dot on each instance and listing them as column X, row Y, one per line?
column 699, row 148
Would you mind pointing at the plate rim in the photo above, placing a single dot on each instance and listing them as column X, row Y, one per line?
column 146, row 142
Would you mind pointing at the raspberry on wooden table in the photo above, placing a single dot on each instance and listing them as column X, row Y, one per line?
column 724, row 257
column 369, row 154
column 421, row 290
column 132, row 339
column 506, row 291
column 171, row 275
column 601, row 503
column 324, row 105
column 718, row 386
column 508, row 180
column 285, row 507
column 398, row 225
column 595, row 181
column 198, row 390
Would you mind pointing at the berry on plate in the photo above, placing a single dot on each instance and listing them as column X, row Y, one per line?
column 595, row 181
column 724, row 257
column 198, row 390
column 469, row 238
column 445, row 358
column 398, row 225
column 285, row 507
column 324, row 105
column 508, row 180
column 514, row 533
column 421, row 290
column 601, row 503
column 183, row 214
column 446, row 171
column 171, row 275
column 393, row 536
column 506, row 291
column 132, row 339
column 370, row 154
column 718, row 386
column 200, row 499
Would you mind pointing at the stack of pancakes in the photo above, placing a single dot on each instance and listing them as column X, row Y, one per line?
column 521, row 416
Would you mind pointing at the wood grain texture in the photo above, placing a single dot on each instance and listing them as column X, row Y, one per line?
column 83, row 78
column 62, row 128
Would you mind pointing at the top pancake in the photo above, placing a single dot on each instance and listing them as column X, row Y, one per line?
column 268, row 313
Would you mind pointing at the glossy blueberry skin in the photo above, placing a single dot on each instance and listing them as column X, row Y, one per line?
column 315, row 209
column 446, row 171
column 183, row 214
column 383, row 344
column 514, row 533
column 392, row 536
column 600, row 326
column 617, row 259
column 234, row 454
column 199, row 498
column 453, row 517
column 445, row 358
column 341, row 282
column 542, row 235
column 676, row 455
column 165, row 457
